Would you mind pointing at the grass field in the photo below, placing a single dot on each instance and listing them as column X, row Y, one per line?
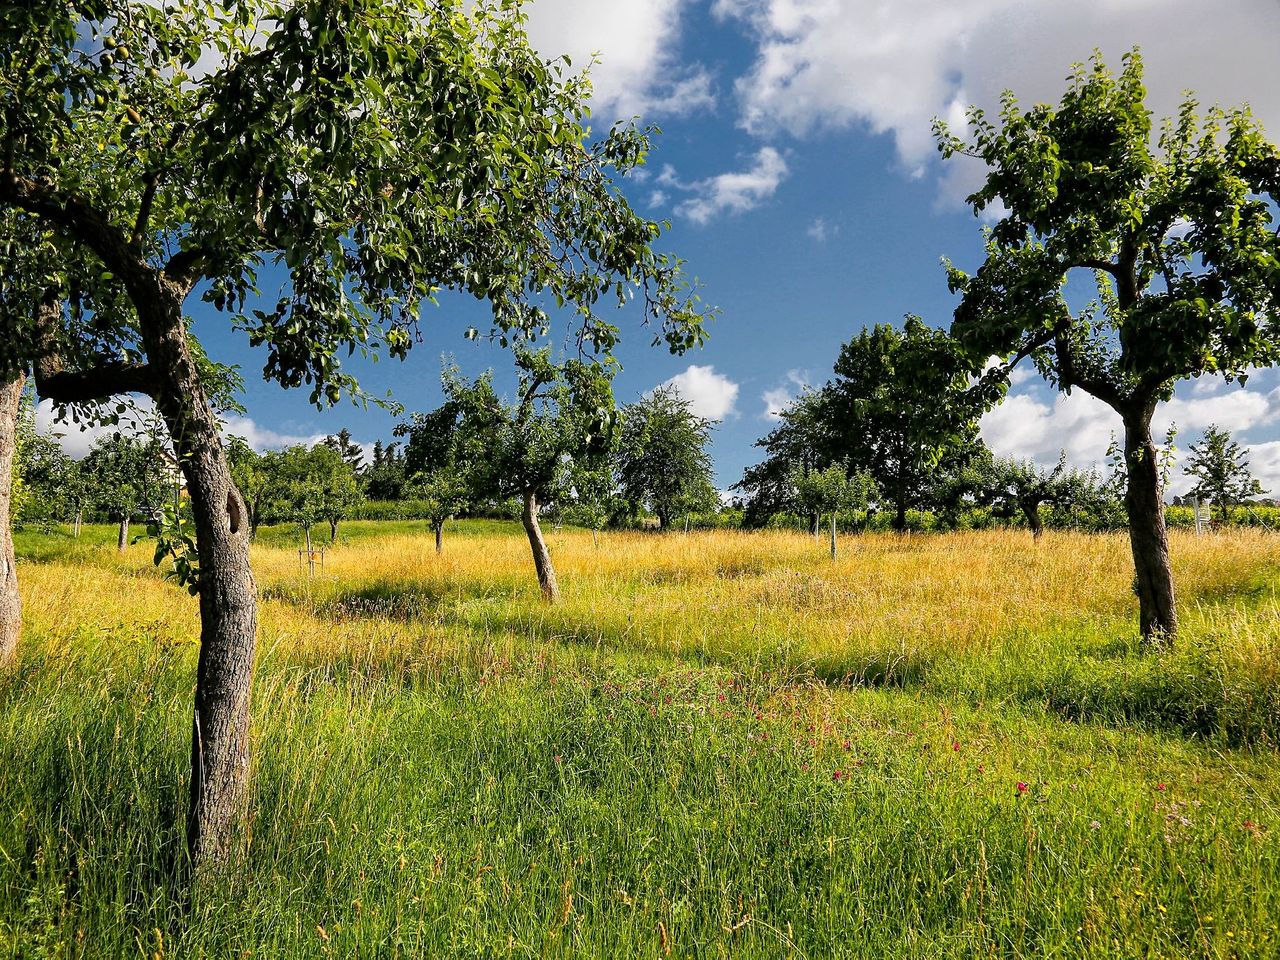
column 720, row 744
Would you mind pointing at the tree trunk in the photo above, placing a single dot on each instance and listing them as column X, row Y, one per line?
column 122, row 540
column 77, row 522
column 900, row 515
column 1032, row 512
column 817, row 525
column 439, row 528
column 333, row 531
column 228, row 596
column 1147, row 535
column 541, row 555
column 10, row 599
column 833, row 534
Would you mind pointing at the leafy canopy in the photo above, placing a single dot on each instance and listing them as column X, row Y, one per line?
column 375, row 151
column 1177, row 230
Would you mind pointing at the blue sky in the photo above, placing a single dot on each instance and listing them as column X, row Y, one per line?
column 798, row 172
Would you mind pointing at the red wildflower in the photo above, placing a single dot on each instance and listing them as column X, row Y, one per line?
column 1160, row 786
column 559, row 759
column 1022, row 787
column 955, row 745
column 837, row 775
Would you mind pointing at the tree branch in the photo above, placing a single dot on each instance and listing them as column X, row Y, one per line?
column 75, row 214
column 101, row 382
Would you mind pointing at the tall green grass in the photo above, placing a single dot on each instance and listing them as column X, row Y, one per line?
column 686, row 759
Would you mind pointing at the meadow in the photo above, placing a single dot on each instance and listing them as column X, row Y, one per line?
column 718, row 744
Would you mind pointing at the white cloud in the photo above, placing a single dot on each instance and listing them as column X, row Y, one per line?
column 710, row 395
column 77, row 439
column 821, row 230
column 263, row 438
column 1026, row 427
column 1264, row 464
column 733, row 192
column 636, row 40
column 778, row 398
column 891, row 67
column 1023, row 426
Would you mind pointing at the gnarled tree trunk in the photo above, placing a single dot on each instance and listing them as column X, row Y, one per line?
column 333, row 531
column 228, row 597
column 1148, row 538
column 122, row 540
column 438, row 526
column 1031, row 510
column 541, row 555
column 10, row 599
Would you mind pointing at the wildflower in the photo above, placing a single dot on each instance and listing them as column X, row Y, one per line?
column 1022, row 787
column 1094, row 825
column 559, row 759
column 1161, row 786
column 837, row 775
column 955, row 746
column 982, row 768
column 848, row 745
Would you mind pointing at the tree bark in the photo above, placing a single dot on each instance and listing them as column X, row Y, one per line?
column 333, row 531
column 1148, row 538
column 541, row 555
column 833, row 534
column 122, row 540
column 76, row 522
column 228, row 596
column 1032, row 512
column 10, row 599
column 439, row 529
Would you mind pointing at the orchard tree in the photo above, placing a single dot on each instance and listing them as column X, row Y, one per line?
column 832, row 490
column 310, row 485
column 375, row 151
column 127, row 477
column 1177, row 230
column 526, row 449
column 1013, row 485
column 662, row 459
column 1220, row 468
column 903, row 402
column 800, row 443
column 443, row 493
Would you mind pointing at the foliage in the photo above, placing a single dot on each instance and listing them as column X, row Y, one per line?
column 662, row 460
column 563, row 414
column 310, row 485
column 1176, row 232
column 802, row 441
column 384, row 477
column 833, row 490
column 902, row 403
column 1022, row 486
column 128, row 476
column 1220, row 468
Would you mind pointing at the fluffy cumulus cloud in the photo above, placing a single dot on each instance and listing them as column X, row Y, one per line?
column 261, row 438
column 892, row 67
column 779, row 398
column 1032, row 424
column 639, row 72
column 709, row 394
column 77, row 439
column 734, row 192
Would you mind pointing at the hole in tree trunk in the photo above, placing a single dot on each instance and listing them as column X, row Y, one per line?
column 234, row 512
